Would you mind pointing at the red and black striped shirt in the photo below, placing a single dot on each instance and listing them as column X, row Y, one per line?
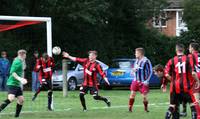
column 180, row 70
column 45, row 68
column 90, row 71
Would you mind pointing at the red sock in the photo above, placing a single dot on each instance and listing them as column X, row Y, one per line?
column 145, row 105
column 131, row 101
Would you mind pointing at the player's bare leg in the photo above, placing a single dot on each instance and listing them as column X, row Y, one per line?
column 10, row 99
column 145, row 102
column 20, row 101
column 131, row 100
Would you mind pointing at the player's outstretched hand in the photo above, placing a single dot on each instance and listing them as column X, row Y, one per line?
column 65, row 54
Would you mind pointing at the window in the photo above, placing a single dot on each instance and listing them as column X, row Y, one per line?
column 181, row 23
column 161, row 20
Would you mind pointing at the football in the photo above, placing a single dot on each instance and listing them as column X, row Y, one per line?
column 56, row 50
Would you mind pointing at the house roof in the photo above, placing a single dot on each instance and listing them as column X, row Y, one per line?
column 173, row 4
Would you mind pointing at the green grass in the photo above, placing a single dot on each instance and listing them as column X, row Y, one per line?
column 70, row 107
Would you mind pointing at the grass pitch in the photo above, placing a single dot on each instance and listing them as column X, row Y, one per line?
column 70, row 107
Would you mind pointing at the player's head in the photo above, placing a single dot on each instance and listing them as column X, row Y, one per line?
column 193, row 47
column 180, row 48
column 22, row 54
column 36, row 54
column 139, row 52
column 3, row 54
column 45, row 56
column 92, row 55
column 159, row 70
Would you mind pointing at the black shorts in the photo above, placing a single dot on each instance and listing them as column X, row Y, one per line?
column 46, row 85
column 85, row 89
column 176, row 99
column 17, row 91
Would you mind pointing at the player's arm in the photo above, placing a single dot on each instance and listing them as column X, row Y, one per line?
column 168, row 70
column 149, row 70
column 22, row 80
column 102, row 73
column 14, row 68
column 75, row 59
column 66, row 55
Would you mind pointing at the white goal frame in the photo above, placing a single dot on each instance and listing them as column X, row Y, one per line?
column 47, row 20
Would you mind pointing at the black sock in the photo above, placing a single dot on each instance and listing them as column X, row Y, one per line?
column 49, row 99
column 194, row 112
column 18, row 110
column 101, row 98
column 4, row 104
column 184, row 106
column 169, row 113
column 176, row 114
column 82, row 99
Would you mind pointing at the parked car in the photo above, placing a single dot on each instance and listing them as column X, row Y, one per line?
column 74, row 75
column 119, row 73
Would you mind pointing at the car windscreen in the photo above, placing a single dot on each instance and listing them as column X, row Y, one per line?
column 72, row 65
column 122, row 64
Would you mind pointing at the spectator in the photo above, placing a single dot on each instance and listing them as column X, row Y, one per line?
column 4, row 70
column 35, row 81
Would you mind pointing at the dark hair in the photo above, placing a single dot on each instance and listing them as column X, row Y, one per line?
column 180, row 47
column 141, row 50
column 159, row 67
column 195, row 46
column 93, row 52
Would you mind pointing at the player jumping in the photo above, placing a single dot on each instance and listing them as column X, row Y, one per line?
column 14, row 83
column 45, row 67
column 91, row 68
column 142, row 73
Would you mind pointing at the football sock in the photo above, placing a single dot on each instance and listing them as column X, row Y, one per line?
column 169, row 113
column 82, row 99
column 145, row 105
column 4, row 104
column 18, row 110
column 50, row 99
column 131, row 102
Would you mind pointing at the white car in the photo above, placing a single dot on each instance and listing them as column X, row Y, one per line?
column 74, row 76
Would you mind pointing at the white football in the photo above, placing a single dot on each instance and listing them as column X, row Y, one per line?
column 56, row 50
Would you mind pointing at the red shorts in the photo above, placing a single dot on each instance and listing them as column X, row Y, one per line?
column 195, row 89
column 139, row 86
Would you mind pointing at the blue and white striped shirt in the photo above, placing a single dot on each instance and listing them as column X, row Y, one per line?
column 143, row 70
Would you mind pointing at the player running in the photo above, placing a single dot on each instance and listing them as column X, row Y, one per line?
column 14, row 83
column 142, row 73
column 91, row 68
column 45, row 67
column 179, row 71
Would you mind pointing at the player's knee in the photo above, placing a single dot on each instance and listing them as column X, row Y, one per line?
column 81, row 95
column 50, row 93
column 11, row 98
column 132, row 95
column 21, row 101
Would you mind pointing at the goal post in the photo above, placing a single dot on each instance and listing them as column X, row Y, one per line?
column 40, row 19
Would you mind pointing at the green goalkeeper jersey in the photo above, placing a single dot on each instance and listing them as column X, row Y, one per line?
column 17, row 67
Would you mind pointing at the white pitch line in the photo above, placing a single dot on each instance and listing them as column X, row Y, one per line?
column 126, row 106
column 26, row 112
